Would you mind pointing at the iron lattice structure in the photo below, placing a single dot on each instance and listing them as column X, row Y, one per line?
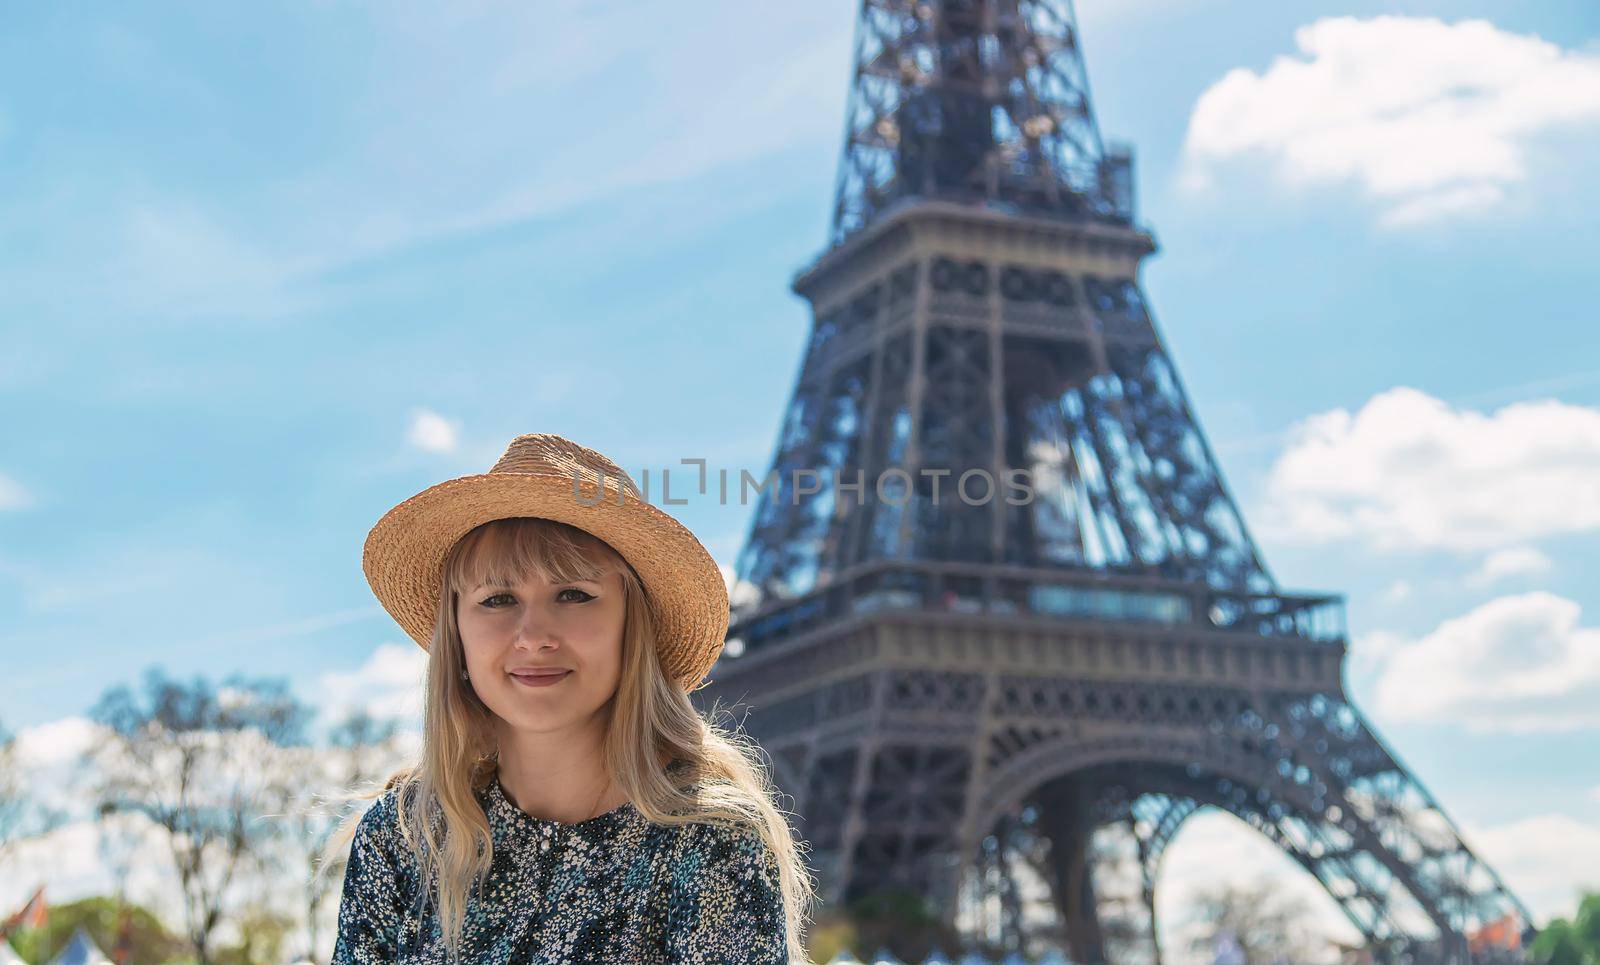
column 963, row 689
column 975, row 101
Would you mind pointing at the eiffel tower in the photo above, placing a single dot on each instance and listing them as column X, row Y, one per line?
column 1002, row 608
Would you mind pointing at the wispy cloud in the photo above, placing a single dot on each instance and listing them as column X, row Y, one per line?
column 1509, row 563
column 1432, row 120
column 685, row 119
column 13, row 495
column 296, row 628
column 115, row 573
column 565, row 105
column 178, row 261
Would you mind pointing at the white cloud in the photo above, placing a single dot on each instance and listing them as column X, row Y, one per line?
column 388, row 685
column 1446, row 203
column 1409, row 471
column 49, row 756
column 1518, row 663
column 82, row 858
column 1371, row 649
column 1545, row 859
column 12, row 494
column 1507, row 563
column 1430, row 119
column 432, row 432
column 56, row 742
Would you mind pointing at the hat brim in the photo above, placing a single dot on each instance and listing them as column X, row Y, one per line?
column 405, row 551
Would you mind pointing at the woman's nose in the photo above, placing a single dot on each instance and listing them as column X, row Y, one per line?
column 535, row 628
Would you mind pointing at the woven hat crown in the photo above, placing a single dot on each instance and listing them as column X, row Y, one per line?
column 545, row 454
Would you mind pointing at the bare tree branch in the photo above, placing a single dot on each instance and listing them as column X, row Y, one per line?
column 193, row 760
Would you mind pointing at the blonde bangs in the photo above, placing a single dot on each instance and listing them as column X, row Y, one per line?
column 505, row 552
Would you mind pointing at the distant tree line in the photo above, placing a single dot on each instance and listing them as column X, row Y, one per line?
column 241, row 799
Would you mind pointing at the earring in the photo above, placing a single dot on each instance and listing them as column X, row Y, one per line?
column 464, row 678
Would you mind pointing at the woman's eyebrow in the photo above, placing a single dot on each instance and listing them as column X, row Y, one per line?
column 492, row 585
column 498, row 585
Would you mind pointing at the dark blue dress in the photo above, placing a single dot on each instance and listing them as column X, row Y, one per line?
column 614, row 888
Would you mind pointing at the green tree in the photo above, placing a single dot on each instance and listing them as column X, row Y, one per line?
column 1574, row 942
column 107, row 921
column 898, row 919
column 263, row 933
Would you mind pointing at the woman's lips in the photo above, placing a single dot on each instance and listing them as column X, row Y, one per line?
column 540, row 680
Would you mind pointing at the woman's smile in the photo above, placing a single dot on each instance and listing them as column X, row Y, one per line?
column 540, row 678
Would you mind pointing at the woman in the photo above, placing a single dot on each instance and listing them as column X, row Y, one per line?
column 569, row 804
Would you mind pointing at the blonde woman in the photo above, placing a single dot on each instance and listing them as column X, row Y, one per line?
column 569, row 804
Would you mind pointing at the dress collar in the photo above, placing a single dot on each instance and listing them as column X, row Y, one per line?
column 506, row 819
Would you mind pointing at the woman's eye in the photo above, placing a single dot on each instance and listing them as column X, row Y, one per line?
column 581, row 597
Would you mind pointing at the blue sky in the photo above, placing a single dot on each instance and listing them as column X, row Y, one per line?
column 263, row 276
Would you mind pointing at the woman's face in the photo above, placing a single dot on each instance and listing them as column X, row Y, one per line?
column 511, row 632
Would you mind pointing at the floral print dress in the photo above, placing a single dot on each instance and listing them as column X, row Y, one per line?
column 615, row 888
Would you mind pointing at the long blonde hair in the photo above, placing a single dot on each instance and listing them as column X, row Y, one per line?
column 725, row 779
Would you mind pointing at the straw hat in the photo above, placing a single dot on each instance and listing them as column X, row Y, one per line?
column 555, row 478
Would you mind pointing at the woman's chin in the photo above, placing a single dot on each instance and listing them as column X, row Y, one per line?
column 536, row 720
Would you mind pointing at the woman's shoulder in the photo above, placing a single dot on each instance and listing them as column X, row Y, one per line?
column 399, row 791
column 380, row 826
column 720, row 836
column 725, row 851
